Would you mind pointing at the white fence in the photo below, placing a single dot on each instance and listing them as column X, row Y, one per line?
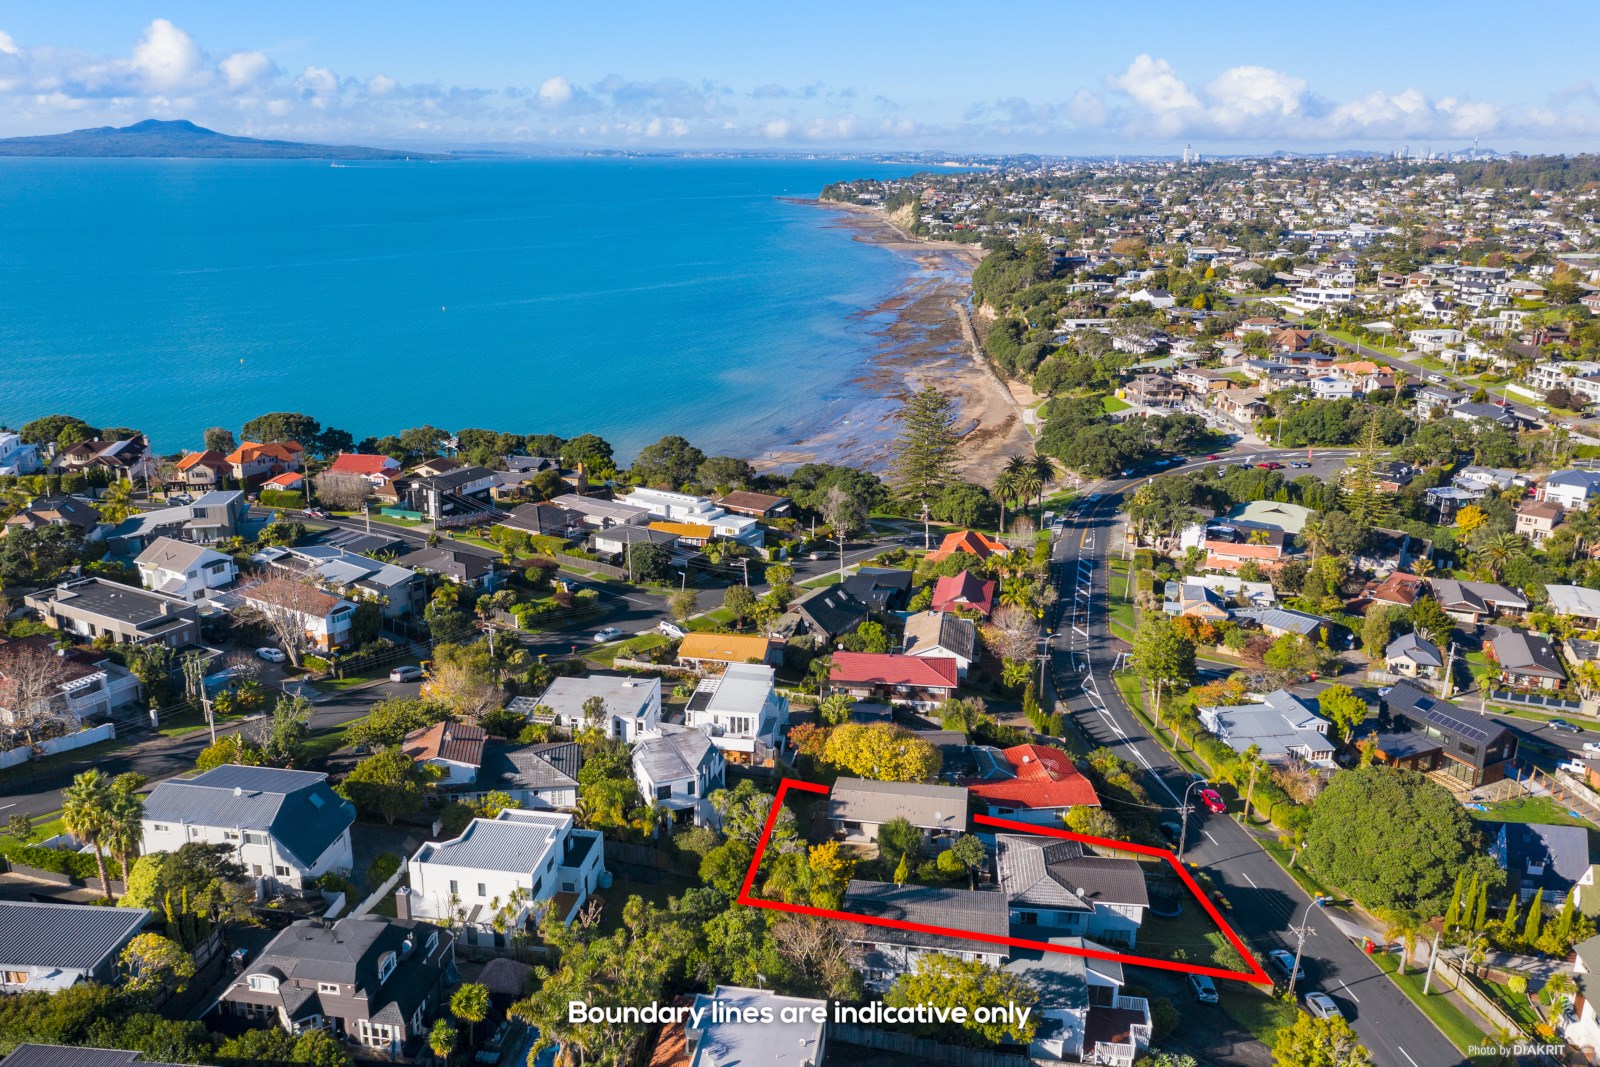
column 14, row 757
column 379, row 893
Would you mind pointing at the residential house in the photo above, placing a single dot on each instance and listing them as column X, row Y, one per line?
column 1475, row 601
column 454, row 561
column 1525, row 660
column 1289, row 340
column 1231, row 555
column 378, row 470
column 26, row 1055
column 201, row 472
column 965, row 590
column 544, row 520
column 888, row 952
column 453, row 749
column 756, row 505
column 858, row 808
column 1083, row 1017
column 216, row 516
column 129, row 459
column 57, row 510
column 827, row 613
column 457, row 497
column 1435, row 340
column 254, row 462
column 1156, row 298
column 1435, row 398
column 1537, row 519
column 1331, row 388
column 1426, row 734
column 1541, row 859
column 1572, row 489
column 287, row 828
column 1153, row 390
column 1397, row 589
column 1270, row 515
column 1490, row 413
column 973, row 542
column 17, row 457
column 1195, row 600
column 617, row 542
column 920, row 681
column 689, row 535
column 792, row 1032
column 371, row 980
column 742, row 712
column 599, row 512
column 1477, row 477
column 536, row 776
column 1055, row 886
column 1413, row 656
column 185, row 570
column 398, row 591
column 881, row 589
column 704, row 650
column 1033, row 783
column 679, row 767
column 1281, row 726
column 1583, row 1031
column 96, row 607
column 499, row 873
column 287, row 482
column 686, row 509
column 1203, row 381
column 84, row 684
column 627, row 706
column 1280, row 621
column 1577, row 602
column 45, row 948
column 326, row 620
column 941, row 634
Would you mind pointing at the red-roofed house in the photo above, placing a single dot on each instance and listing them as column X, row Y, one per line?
column 887, row 679
column 253, row 461
column 1399, row 588
column 971, row 542
column 1044, row 785
column 378, row 470
column 1228, row 556
column 456, row 748
column 201, row 471
column 964, row 590
column 287, row 482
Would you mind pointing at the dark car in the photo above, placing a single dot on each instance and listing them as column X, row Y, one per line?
column 1172, row 832
column 1213, row 801
column 1564, row 726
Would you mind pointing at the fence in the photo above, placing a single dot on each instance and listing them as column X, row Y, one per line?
column 578, row 563
column 91, row 735
column 921, row 1048
column 647, row 856
column 1534, row 700
column 378, row 894
column 1453, row 974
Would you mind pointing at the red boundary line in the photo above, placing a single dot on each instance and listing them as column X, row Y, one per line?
column 1256, row 975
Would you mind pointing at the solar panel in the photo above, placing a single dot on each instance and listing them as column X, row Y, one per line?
column 1457, row 725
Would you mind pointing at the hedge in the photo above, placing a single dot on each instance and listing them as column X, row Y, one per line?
column 280, row 498
column 76, row 864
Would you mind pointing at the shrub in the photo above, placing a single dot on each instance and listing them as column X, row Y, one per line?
column 383, row 866
column 75, row 864
column 279, row 498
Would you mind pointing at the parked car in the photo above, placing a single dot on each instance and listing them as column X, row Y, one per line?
column 271, row 655
column 610, row 633
column 1212, row 458
column 1541, row 409
column 1564, row 726
column 1094, row 498
column 1213, row 801
column 1204, row 989
column 1591, row 746
column 672, row 630
column 1299, row 464
column 314, row 513
column 1283, row 962
column 406, row 673
column 1573, row 766
column 1270, row 465
column 1172, row 832
column 1322, row 1006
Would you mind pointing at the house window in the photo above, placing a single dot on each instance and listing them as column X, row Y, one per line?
column 327, row 987
column 663, row 792
column 1028, row 918
column 386, row 968
column 455, row 890
column 254, row 839
column 483, row 890
column 280, row 870
column 160, row 829
column 230, row 835
column 15, row 977
column 264, row 983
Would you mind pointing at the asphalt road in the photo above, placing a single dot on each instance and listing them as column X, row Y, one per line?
column 1264, row 902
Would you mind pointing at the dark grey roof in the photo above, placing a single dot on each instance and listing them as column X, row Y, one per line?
column 1286, row 619
column 929, row 806
column 550, row 520
column 981, row 911
column 467, row 563
column 1060, row 874
column 1407, row 701
column 878, row 587
column 346, row 952
column 546, row 766
column 62, row 1056
column 830, row 609
column 1453, row 594
column 113, row 600
column 73, row 937
column 1525, row 653
column 298, row 808
column 1563, row 852
column 364, row 544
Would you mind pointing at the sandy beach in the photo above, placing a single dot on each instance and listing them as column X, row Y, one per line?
column 926, row 337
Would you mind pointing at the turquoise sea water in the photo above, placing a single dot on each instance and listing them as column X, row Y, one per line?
column 625, row 297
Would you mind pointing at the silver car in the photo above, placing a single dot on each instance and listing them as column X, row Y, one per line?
column 1322, row 1006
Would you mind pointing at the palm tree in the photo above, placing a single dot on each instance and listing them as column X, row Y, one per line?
column 125, row 822
column 1422, row 567
column 1314, row 535
column 442, row 1039
column 1404, row 925
column 470, row 1004
column 1501, row 549
column 1028, row 483
column 116, row 503
column 1005, row 490
column 1045, row 468
column 86, row 814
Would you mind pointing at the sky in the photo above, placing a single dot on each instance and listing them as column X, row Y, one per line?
column 1068, row 77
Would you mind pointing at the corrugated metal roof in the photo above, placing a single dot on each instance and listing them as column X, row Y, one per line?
column 73, row 937
column 517, row 842
column 62, row 1056
column 298, row 808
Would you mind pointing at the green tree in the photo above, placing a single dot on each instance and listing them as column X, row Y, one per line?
column 287, row 731
column 927, row 450
column 682, row 604
column 739, row 601
column 1431, row 622
column 1162, row 656
column 1391, row 838
column 318, row 1048
column 153, row 962
column 883, row 752
column 670, row 463
column 1340, row 706
column 220, row 439
column 86, row 814
column 389, row 783
column 1313, row 1042
column 470, row 1004
column 900, row 842
column 387, row 724
column 283, row 426
column 1362, row 496
column 836, row 709
column 940, row 979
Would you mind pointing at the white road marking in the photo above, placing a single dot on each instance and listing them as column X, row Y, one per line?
column 1213, row 840
column 1249, row 879
column 1407, row 1055
column 3, row 807
column 1348, row 992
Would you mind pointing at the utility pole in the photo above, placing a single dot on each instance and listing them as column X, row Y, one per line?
column 1300, row 940
column 927, row 531
column 1183, row 817
column 1449, row 663
column 1433, row 960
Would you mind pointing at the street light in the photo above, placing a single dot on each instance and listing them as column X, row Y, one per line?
column 1183, row 816
column 1300, row 939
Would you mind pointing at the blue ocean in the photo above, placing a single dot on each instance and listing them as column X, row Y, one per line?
column 625, row 297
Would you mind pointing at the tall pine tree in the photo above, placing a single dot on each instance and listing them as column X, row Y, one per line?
column 1530, row 933
column 1452, row 914
column 1564, row 922
column 927, row 449
column 1480, row 918
column 1509, row 923
column 1361, row 496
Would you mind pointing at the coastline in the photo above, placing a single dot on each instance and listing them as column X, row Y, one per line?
column 926, row 337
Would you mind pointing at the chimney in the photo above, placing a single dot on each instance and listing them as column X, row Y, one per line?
column 402, row 903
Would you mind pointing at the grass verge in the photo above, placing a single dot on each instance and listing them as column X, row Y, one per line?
column 1437, row 1006
column 1256, row 1010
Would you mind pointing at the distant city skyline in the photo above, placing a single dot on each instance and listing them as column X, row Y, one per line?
column 1062, row 78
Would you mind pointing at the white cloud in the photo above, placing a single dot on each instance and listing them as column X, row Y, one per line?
column 247, row 70
column 166, row 56
column 1254, row 93
column 555, row 91
column 381, row 85
column 7, row 45
column 1154, row 85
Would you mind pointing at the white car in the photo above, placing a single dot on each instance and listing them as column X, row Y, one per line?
column 672, row 630
column 1573, row 766
column 271, row 655
column 406, row 673
column 610, row 633
column 1591, row 746
column 1322, row 1006
column 1541, row 409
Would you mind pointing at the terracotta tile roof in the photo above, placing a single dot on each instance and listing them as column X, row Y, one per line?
column 286, row 480
column 1046, row 778
column 458, row 742
column 361, row 463
column 297, row 595
column 210, row 457
column 729, row 648
column 1398, row 588
column 972, row 542
column 876, row 668
column 283, row 451
column 964, row 590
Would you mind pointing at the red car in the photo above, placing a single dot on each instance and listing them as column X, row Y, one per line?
column 1213, row 458
column 1213, row 801
column 1270, row 466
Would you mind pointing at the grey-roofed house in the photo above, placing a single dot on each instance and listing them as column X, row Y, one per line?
column 942, row 634
column 1082, row 1014
column 742, row 712
column 1280, row 621
column 1424, row 733
column 536, row 776
column 96, row 607
column 67, row 1056
column 1541, row 858
column 828, row 613
column 372, row 980
column 184, row 569
column 679, row 767
column 795, row 1036
column 890, row 952
column 287, row 827
column 599, row 512
column 1281, row 725
column 617, row 541
column 629, row 705
column 399, row 591
column 212, row 517
column 499, row 872
column 881, row 589
column 49, row 947
column 857, row 807
column 1577, row 602
column 456, row 562
column 1474, row 601
column 1413, row 656
column 1053, row 887
column 1526, row 660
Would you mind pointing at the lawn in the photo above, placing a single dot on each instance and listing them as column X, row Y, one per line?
column 1191, row 936
column 1255, row 1010
column 1529, row 810
column 44, row 826
column 190, row 721
column 320, row 746
column 1112, row 404
column 25, row 772
column 715, row 621
column 395, row 520
column 662, row 886
column 831, row 578
column 1513, row 1004
column 1456, row 1024
column 627, row 649
column 1303, row 876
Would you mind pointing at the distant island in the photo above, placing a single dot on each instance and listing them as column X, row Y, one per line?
column 180, row 139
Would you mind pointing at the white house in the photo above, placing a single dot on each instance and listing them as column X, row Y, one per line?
column 15, row 456
column 500, row 871
column 325, row 618
column 1434, row 340
column 679, row 767
column 1056, row 886
column 688, row 508
column 742, row 712
column 453, row 749
column 1572, row 489
column 1309, row 298
column 184, row 569
column 628, row 706
column 288, row 828
column 1328, row 387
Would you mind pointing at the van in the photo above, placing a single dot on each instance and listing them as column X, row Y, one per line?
column 1204, row 989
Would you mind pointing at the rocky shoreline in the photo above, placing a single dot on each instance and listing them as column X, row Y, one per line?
column 926, row 338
